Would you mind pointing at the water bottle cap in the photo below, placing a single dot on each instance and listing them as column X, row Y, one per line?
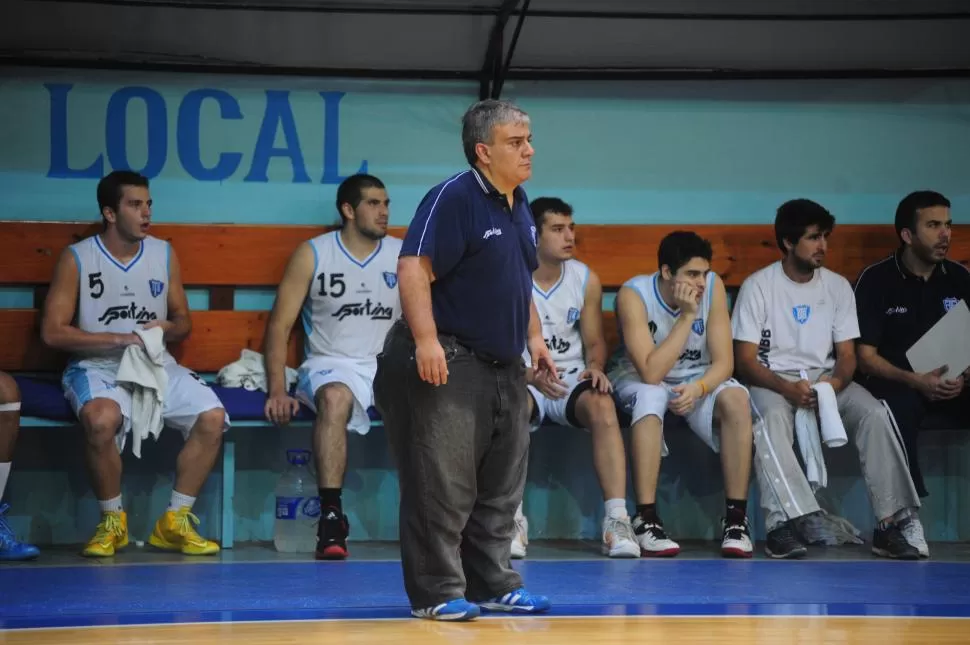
column 298, row 457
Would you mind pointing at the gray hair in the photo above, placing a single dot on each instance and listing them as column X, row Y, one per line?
column 482, row 118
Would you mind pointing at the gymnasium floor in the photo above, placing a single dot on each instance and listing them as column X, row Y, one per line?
column 252, row 595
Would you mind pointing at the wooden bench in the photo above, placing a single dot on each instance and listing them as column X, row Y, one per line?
column 226, row 260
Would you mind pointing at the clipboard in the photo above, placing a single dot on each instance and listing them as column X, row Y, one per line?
column 945, row 343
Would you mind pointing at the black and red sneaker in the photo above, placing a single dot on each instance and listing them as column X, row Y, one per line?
column 332, row 535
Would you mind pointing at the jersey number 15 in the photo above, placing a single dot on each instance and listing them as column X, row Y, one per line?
column 336, row 285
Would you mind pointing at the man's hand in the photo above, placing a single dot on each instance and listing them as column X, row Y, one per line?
column 834, row 381
column 600, row 382
column 801, row 395
column 934, row 387
column 124, row 340
column 687, row 396
column 542, row 364
column 551, row 389
column 280, row 408
column 686, row 298
column 430, row 357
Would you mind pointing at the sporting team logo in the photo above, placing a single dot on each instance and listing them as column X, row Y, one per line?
column 390, row 279
column 533, row 231
column 698, row 327
column 950, row 303
column 801, row 313
column 156, row 287
column 572, row 316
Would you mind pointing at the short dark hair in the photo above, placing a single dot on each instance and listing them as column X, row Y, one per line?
column 112, row 187
column 351, row 190
column 796, row 216
column 912, row 204
column 680, row 247
column 542, row 205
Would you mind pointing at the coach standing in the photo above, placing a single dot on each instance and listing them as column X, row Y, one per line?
column 450, row 384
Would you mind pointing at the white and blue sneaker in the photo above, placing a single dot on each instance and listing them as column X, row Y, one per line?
column 518, row 601
column 456, row 610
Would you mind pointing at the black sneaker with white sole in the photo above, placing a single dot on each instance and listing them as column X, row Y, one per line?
column 783, row 544
column 891, row 543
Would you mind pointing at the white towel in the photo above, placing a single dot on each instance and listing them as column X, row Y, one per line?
column 249, row 372
column 810, row 438
column 142, row 372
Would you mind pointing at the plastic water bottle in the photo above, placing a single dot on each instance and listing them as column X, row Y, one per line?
column 297, row 506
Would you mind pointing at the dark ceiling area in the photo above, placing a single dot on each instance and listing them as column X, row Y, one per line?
column 492, row 40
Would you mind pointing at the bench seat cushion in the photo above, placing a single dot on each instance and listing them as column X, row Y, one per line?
column 42, row 397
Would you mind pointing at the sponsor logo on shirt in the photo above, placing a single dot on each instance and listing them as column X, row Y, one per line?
column 366, row 309
column 127, row 312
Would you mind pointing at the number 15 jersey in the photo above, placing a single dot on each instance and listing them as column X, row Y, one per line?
column 351, row 303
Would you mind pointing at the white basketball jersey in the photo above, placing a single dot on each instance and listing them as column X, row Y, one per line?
column 115, row 297
column 352, row 303
column 695, row 359
column 559, row 311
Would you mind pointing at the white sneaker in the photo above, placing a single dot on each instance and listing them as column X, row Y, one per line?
column 736, row 540
column 521, row 538
column 912, row 530
column 618, row 538
column 653, row 539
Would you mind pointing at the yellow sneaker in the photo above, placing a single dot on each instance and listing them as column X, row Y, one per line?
column 174, row 532
column 110, row 536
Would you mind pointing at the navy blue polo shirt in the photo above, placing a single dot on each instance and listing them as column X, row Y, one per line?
column 896, row 308
column 483, row 253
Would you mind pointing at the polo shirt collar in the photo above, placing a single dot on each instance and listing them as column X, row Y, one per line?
column 490, row 189
column 938, row 271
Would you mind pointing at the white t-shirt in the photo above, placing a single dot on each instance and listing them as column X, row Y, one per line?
column 795, row 325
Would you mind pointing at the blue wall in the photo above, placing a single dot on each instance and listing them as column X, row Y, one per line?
column 260, row 150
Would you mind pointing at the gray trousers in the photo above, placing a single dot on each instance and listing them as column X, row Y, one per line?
column 461, row 451
column 785, row 491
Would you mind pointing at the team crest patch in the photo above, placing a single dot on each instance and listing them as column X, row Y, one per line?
column 698, row 327
column 801, row 313
column 390, row 279
column 572, row 315
column 950, row 303
column 156, row 287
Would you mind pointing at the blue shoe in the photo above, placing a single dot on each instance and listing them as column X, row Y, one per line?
column 519, row 601
column 456, row 610
column 10, row 548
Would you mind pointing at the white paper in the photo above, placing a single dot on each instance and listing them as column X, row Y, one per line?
column 946, row 343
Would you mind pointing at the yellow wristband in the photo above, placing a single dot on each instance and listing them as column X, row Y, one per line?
column 703, row 387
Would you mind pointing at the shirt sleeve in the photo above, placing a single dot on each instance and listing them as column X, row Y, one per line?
column 846, row 325
column 438, row 228
column 870, row 306
column 750, row 313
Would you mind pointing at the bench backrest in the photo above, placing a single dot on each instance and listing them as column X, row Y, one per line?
column 225, row 258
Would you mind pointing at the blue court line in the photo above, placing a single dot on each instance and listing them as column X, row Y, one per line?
column 110, row 595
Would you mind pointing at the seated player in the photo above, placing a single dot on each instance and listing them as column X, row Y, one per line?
column 343, row 285
column 677, row 357
column 795, row 325
column 900, row 299
column 10, row 547
column 569, row 300
column 112, row 283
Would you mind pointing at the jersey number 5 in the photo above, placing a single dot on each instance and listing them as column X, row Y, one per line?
column 336, row 285
column 95, row 285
